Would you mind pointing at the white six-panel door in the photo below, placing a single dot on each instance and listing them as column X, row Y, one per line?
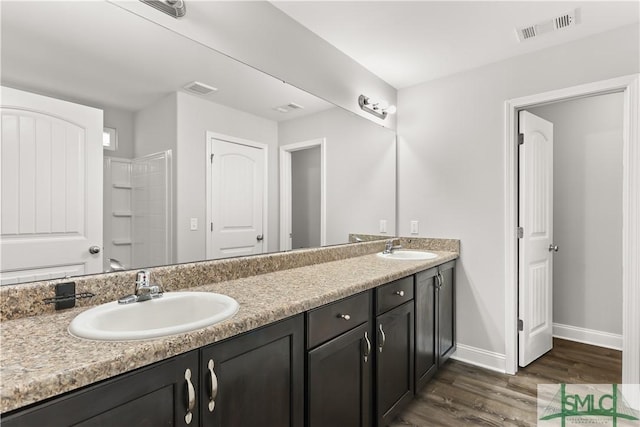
column 535, row 290
column 236, row 199
column 51, row 190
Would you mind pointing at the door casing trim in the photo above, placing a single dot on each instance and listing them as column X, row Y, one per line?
column 630, row 222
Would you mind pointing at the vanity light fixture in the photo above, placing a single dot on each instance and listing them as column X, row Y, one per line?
column 378, row 108
column 175, row 8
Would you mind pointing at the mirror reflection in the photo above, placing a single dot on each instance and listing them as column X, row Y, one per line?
column 126, row 145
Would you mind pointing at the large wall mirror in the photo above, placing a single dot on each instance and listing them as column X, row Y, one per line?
column 204, row 157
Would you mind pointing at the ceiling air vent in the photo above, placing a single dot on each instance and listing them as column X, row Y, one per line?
column 288, row 107
column 199, row 88
column 566, row 20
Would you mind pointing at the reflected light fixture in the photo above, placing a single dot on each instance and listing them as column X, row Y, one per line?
column 175, row 8
column 378, row 108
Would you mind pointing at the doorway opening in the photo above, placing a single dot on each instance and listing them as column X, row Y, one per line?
column 303, row 195
column 570, row 214
column 628, row 85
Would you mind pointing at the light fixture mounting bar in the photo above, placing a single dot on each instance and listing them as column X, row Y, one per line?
column 366, row 104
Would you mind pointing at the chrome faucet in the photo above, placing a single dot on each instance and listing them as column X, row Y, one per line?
column 144, row 290
column 389, row 246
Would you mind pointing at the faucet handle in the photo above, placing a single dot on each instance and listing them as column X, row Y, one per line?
column 142, row 279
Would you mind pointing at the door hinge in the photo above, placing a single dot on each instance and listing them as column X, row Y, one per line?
column 520, row 325
column 211, row 158
column 212, row 226
column 520, row 138
column 520, row 232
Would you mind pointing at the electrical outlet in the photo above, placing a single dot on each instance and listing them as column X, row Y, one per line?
column 414, row 227
column 383, row 225
column 194, row 224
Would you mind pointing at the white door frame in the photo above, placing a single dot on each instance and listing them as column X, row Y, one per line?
column 285, row 190
column 265, row 198
column 630, row 212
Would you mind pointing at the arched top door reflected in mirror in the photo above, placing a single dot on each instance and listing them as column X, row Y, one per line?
column 207, row 157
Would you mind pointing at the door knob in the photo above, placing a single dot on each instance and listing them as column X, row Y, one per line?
column 259, row 237
column 94, row 250
column 553, row 248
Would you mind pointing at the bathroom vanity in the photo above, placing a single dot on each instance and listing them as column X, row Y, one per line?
column 347, row 342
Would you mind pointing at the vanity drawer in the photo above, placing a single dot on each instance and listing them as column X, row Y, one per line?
column 331, row 320
column 394, row 294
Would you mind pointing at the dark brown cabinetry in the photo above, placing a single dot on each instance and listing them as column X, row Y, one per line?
column 434, row 321
column 394, row 348
column 339, row 363
column 157, row 395
column 255, row 379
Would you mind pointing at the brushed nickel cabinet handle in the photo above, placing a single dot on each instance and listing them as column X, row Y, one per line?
column 191, row 397
column 367, row 350
column 344, row 316
column 383, row 338
column 213, row 391
column 399, row 293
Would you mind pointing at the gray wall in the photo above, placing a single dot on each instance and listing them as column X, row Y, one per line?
column 451, row 161
column 305, row 198
column 587, row 211
column 361, row 167
column 122, row 121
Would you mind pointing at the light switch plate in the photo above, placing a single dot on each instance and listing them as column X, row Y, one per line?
column 414, row 227
column 194, row 224
column 383, row 225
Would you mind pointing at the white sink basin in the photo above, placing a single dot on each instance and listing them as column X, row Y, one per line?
column 173, row 313
column 408, row 255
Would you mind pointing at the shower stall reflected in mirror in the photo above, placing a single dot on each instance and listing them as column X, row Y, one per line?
column 137, row 210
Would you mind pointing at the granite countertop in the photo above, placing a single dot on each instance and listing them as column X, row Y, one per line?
column 39, row 359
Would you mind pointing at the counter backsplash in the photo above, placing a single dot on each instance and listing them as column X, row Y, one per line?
column 27, row 299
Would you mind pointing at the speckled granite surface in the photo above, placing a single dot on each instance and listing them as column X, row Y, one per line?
column 39, row 359
column 26, row 300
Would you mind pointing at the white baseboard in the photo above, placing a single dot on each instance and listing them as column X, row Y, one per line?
column 480, row 357
column 588, row 336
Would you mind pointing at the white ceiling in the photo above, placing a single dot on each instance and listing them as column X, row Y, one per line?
column 410, row 42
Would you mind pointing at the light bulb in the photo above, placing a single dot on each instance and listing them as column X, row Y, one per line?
column 391, row 109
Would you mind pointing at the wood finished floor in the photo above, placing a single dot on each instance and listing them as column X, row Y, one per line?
column 465, row 395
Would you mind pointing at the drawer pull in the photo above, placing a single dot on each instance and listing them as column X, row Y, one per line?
column 191, row 397
column 344, row 316
column 213, row 390
column 383, row 338
column 367, row 350
column 399, row 293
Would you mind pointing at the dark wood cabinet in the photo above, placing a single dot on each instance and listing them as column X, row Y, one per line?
column 435, row 320
column 257, row 378
column 340, row 363
column 426, row 350
column 446, row 325
column 339, row 380
column 157, row 395
column 394, row 361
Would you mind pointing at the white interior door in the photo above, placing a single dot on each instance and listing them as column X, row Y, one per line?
column 237, row 199
column 51, row 189
column 535, row 289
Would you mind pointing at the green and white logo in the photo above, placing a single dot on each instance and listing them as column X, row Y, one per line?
column 579, row 404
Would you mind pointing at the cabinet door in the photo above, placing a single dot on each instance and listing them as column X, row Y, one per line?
column 446, row 313
column 339, row 380
column 257, row 378
column 394, row 362
column 153, row 396
column 426, row 362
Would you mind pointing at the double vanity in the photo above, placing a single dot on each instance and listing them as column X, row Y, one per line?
column 330, row 336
